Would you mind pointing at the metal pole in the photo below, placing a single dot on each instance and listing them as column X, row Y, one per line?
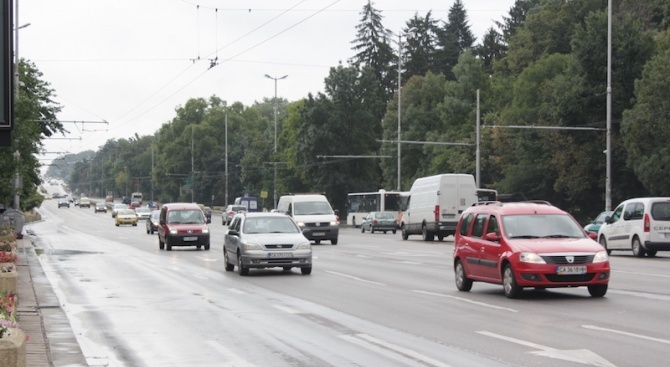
column 17, row 154
column 608, row 152
column 226, row 142
column 399, row 104
column 273, row 161
column 192, row 170
column 478, row 139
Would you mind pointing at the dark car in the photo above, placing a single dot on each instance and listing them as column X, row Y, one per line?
column 100, row 207
column 152, row 221
column 125, row 200
column 379, row 221
column 63, row 202
column 208, row 214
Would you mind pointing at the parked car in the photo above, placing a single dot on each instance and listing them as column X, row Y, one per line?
column 182, row 224
column 117, row 207
column 529, row 244
column 266, row 240
column 100, row 207
column 641, row 225
column 152, row 222
column 63, row 202
column 229, row 213
column 143, row 213
column 595, row 225
column 379, row 221
column 126, row 216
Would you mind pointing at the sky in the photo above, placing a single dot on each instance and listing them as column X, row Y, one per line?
column 122, row 67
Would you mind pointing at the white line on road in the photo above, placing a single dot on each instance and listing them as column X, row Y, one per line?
column 643, row 274
column 354, row 278
column 233, row 360
column 206, row 259
column 396, row 352
column 592, row 327
column 236, row 291
column 582, row 356
column 286, row 309
column 467, row 301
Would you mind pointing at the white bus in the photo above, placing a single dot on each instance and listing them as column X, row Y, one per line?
column 359, row 204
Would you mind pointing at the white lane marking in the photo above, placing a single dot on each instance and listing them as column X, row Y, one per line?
column 206, row 259
column 286, row 309
column 583, row 356
column 643, row 274
column 364, row 256
column 467, row 301
column 232, row 359
column 405, row 262
column 645, row 337
column 200, row 276
column 354, row 278
column 658, row 297
column 237, row 291
column 396, row 352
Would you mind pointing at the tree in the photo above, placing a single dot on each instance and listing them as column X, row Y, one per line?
column 644, row 131
column 492, row 48
column 34, row 120
column 373, row 48
column 455, row 38
column 420, row 46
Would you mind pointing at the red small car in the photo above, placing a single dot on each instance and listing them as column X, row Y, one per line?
column 182, row 224
column 527, row 244
column 134, row 205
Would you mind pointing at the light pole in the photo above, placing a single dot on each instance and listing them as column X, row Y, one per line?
column 17, row 154
column 274, row 195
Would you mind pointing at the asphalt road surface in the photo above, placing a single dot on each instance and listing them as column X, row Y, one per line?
column 371, row 300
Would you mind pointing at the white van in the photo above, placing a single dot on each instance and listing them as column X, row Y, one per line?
column 641, row 225
column 313, row 214
column 435, row 204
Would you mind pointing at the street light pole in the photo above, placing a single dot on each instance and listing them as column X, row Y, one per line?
column 274, row 195
column 608, row 151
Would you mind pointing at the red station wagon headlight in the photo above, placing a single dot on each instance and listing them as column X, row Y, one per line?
column 531, row 257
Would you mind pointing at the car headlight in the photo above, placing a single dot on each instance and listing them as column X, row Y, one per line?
column 173, row 231
column 301, row 224
column 251, row 246
column 334, row 223
column 304, row 246
column 531, row 257
column 205, row 231
column 601, row 257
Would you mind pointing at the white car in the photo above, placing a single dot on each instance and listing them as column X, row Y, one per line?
column 641, row 225
column 143, row 213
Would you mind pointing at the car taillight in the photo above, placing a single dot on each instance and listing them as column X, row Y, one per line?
column 647, row 223
column 374, row 221
column 437, row 213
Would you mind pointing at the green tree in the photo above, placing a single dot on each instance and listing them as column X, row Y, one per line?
column 420, row 46
column 455, row 38
column 373, row 48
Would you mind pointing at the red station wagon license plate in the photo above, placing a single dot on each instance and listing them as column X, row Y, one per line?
column 569, row 270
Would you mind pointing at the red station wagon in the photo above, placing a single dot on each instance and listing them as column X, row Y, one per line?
column 527, row 244
column 182, row 224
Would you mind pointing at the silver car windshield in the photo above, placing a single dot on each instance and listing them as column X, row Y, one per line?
column 277, row 224
column 541, row 226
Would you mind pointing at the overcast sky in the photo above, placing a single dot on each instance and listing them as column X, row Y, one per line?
column 131, row 63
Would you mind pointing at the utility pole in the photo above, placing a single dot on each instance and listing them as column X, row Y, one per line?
column 608, row 151
column 399, row 103
column 275, row 163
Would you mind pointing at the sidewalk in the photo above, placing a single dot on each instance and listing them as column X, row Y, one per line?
column 51, row 341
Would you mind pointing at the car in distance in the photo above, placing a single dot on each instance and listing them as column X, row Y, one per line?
column 266, row 240
column 208, row 213
column 84, row 202
column 126, row 216
column 134, row 204
column 379, row 221
column 230, row 211
column 117, row 207
column 100, row 207
column 143, row 213
column 527, row 244
column 182, row 224
column 152, row 221
column 640, row 224
column 63, row 202
column 595, row 225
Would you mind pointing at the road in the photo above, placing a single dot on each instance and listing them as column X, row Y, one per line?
column 371, row 300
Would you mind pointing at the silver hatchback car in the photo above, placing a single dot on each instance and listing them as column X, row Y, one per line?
column 266, row 240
